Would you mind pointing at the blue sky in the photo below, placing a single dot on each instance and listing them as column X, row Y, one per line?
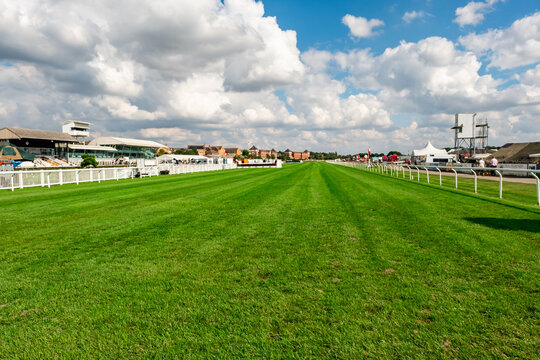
column 318, row 22
column 351, row 74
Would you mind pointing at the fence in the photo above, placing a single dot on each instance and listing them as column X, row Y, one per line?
column 398, row 170
column 33, row 178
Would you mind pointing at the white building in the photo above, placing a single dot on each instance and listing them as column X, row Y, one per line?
column 77, row 129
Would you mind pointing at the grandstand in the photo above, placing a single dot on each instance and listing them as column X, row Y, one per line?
column 518, row 153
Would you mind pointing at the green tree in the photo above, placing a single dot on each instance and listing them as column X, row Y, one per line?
column 245, row 152
column 89, row 160
column 394, row 152
column 186, row 152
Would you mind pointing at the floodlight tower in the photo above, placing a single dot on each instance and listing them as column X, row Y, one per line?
column 470, row 133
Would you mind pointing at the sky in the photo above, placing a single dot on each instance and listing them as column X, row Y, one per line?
column 336, row 75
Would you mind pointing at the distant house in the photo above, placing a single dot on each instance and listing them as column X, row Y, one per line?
column 288, row 153
column 296, row 154
column 265, row 154
column 201, row 149
column 215, row 151
column 253, row 151
column 234, row 151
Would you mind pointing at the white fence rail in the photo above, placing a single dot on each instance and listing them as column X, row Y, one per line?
column 412, row 171
column 33, row 178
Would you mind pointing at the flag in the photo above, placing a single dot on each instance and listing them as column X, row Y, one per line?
column 369, row 153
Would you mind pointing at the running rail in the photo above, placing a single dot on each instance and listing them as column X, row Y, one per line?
column 395, row 168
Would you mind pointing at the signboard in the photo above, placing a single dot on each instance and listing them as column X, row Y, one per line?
column 465, row 126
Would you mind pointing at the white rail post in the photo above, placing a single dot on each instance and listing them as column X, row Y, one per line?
column 42, row 176
column 427, row 174
column 391, row 170
column 21, row 180
column 61, row 177
column 410, row 173
column 537, row 188
column 403, row 168
column 455, row 173
column 440, row 176
column 116, row 173
column 475, row 181
column 77, row 176
column 99, row 176
column 13, row 182
column 500, row 183
column 49, row 180
column 417, row 173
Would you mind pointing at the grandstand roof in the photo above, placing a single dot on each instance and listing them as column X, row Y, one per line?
column 10, row 133
column 110, row 140
column 90, row 147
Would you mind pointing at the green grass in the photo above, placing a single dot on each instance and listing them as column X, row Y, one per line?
column 310, row 261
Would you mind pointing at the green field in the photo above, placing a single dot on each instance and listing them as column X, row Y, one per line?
column 310, row 261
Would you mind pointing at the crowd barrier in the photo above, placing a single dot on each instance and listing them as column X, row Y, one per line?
column 400, row 170
column 49, row 177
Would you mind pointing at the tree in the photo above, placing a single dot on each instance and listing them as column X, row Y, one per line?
column 89, row 160
column 245, row 152
column 186, row 152
column 394, row 152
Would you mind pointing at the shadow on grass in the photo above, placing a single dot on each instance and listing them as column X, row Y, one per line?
column 530, row 225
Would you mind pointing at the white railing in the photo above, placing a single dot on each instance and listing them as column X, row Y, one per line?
column 400, row 170
column 46, row 178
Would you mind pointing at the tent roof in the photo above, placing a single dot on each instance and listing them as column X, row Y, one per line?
column 110, row 140
column 429, row 149
column 20, row 133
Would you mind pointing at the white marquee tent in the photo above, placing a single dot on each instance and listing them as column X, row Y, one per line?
column 430, row 154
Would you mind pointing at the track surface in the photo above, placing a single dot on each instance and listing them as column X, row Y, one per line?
column 309, row 261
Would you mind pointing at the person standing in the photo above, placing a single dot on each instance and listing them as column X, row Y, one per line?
column 494, row 162
column 481, row 163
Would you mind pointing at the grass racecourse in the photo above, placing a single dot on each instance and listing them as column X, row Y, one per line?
column 310, row 261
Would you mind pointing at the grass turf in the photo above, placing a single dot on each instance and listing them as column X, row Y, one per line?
column 313, row 260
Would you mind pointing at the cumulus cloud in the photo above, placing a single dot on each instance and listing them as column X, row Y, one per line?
column 473, row 13
column 409, row 16
column 508, row 48
column 214, row 71
column 449, row 80
column 361, row 27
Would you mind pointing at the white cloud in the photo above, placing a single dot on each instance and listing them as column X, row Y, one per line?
column 361, row 27
column 122, row 108
column 176, row 135
column 508, row 48
column 214, row 71
column 409, row 16
column 448, row 80
column 473, row 13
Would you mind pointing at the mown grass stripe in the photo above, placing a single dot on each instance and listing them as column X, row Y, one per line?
column 313, row 260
